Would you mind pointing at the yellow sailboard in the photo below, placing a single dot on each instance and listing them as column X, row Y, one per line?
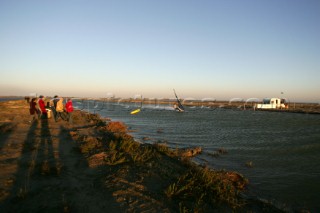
column 135, row 111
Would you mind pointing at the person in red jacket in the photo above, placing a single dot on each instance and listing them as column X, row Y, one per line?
column 42, row 107
column 69, row 109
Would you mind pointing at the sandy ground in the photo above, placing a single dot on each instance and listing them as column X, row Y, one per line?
column 41, row 169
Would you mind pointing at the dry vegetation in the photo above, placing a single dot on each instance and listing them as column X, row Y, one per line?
column 157, row 174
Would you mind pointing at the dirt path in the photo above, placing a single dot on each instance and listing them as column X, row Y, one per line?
column 41, row 169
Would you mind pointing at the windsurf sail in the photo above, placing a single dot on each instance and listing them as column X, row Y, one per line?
column 178, row 106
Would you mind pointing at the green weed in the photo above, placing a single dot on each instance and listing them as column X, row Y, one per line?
column 205, row 186
column 116, row 158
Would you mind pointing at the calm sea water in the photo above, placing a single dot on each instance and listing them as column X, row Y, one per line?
column 284, row 148
column 10, row 98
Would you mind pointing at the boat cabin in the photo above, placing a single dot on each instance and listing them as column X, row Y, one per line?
column 273, row 103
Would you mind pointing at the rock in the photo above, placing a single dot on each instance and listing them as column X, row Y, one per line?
column 190, row 152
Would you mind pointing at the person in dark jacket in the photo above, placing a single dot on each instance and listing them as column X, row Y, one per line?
column 53, row 105
column 34, row 112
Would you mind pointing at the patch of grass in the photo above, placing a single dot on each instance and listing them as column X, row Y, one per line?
column 144, row 154
column 90, row 145
column 128, row 145
column 116, row 158
column 200, row 188
column 112, row 145
column 117, row 127
column 132, row 150
column 163, row 148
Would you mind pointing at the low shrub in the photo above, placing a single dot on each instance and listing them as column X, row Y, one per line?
column 205, row 187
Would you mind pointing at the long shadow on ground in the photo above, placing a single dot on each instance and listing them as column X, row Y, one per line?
column 53, row 176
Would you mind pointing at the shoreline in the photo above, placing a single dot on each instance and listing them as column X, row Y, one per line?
column 134, row 176
column 294, row 107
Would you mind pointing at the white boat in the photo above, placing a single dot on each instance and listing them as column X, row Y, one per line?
column 273, row 103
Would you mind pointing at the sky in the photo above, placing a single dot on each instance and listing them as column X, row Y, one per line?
column 220, row 49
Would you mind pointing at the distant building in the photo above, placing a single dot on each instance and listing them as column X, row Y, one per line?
column 273, row 103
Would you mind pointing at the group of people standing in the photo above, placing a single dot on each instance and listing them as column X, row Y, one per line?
column 40, row 110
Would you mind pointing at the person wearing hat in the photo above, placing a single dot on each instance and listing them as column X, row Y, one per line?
column 53, row 105
column 42, row 107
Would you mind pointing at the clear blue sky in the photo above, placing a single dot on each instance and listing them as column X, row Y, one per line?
column 204, row 49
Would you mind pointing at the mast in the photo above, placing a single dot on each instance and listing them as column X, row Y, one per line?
column 180, row 107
